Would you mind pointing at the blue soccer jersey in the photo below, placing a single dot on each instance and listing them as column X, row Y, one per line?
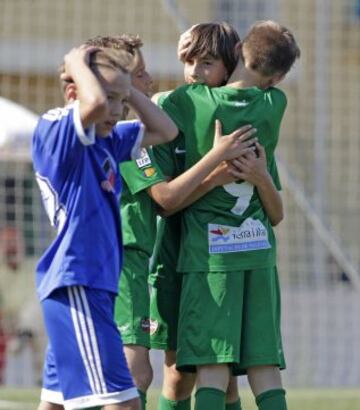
column 80, row 184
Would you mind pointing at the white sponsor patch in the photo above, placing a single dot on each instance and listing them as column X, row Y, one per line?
column 144, row 159
column 251, row 235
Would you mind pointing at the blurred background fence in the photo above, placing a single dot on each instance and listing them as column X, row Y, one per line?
column 319, row 154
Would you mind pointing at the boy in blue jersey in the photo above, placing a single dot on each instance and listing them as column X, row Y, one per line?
column 76, row 151
column 144, row 190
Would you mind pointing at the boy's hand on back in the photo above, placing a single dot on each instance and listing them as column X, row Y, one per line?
column 239, row 143
column 224, row 173
column 251, row 167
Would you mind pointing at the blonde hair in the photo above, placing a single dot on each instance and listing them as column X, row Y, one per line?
column 108, row 58
column 125, row 47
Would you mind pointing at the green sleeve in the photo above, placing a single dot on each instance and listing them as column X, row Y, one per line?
column 141, row 173
column 174, row 104
column 165, row 158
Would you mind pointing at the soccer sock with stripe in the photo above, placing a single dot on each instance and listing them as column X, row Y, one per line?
column 208, row 398
column 272, row 400
column 236, row 405
column 165, row 404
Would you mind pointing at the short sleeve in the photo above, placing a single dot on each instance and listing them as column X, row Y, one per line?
column 127, row 137
column 165, row 158
column 59, row 139
column 141, row 173
column 174, row 103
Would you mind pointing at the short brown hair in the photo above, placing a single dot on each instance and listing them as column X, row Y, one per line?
column 125, row 43
column 217, row 39
column 269, row 48
column 102, row 58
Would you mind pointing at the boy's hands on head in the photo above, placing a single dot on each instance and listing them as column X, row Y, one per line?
column 74, row 58
column 240, row 142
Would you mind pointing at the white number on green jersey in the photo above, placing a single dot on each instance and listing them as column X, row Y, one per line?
column 243, row 192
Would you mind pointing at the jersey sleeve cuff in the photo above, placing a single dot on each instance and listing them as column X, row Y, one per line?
column 87, row 137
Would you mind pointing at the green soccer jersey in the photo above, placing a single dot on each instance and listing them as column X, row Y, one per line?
column 138, row 210
column 171, row 159
column 227, row 229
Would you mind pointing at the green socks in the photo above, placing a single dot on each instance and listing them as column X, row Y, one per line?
column 233, row 406
column 272, row 400
column 165, row 404
column 143, row 399
column 208, row 398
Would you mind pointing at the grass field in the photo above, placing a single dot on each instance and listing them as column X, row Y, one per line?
column 323, row 399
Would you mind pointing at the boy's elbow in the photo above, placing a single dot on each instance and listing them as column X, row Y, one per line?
column 171, row 132
column 168, row 204
column 275, row 221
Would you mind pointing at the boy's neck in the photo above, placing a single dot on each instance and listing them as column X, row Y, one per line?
column 243, row 78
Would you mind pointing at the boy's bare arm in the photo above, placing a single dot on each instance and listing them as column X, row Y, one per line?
column 93, row 101
column 159, row 126
column 171, row 196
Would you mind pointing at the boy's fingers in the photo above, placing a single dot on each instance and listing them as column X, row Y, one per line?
column 218, row 128
column 261, row 150
column 240, row 131
column 218, row 132
column 249, row 142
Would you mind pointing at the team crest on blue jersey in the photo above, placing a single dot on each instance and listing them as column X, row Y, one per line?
column 109, row 183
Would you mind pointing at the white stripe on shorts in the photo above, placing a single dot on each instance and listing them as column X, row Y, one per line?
column 93, row 338
column 86, row 338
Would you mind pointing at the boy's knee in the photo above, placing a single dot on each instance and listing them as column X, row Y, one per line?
column 216, row 376
column 263, row 378
column 143, row 378
column 177, row 385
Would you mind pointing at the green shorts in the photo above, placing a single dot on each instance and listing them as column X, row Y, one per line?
column 133, row 303
column 230, row 317
column 164, row 309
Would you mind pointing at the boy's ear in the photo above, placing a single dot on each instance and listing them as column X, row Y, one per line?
column 70, row 93
column 276, row 79
column 238, row 49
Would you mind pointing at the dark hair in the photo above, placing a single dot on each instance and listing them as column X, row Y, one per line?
column 269, row 48
column 216, row 39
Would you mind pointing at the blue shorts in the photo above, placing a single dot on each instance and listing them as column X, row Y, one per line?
column 85, row 364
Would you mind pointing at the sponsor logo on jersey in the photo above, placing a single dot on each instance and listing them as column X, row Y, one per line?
column 154, row 325
column 251, row 235
column 220, row 234
column 145, row 324
column 109, row 183
column 144, row 159
column 179, row 151
column 149, row 172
